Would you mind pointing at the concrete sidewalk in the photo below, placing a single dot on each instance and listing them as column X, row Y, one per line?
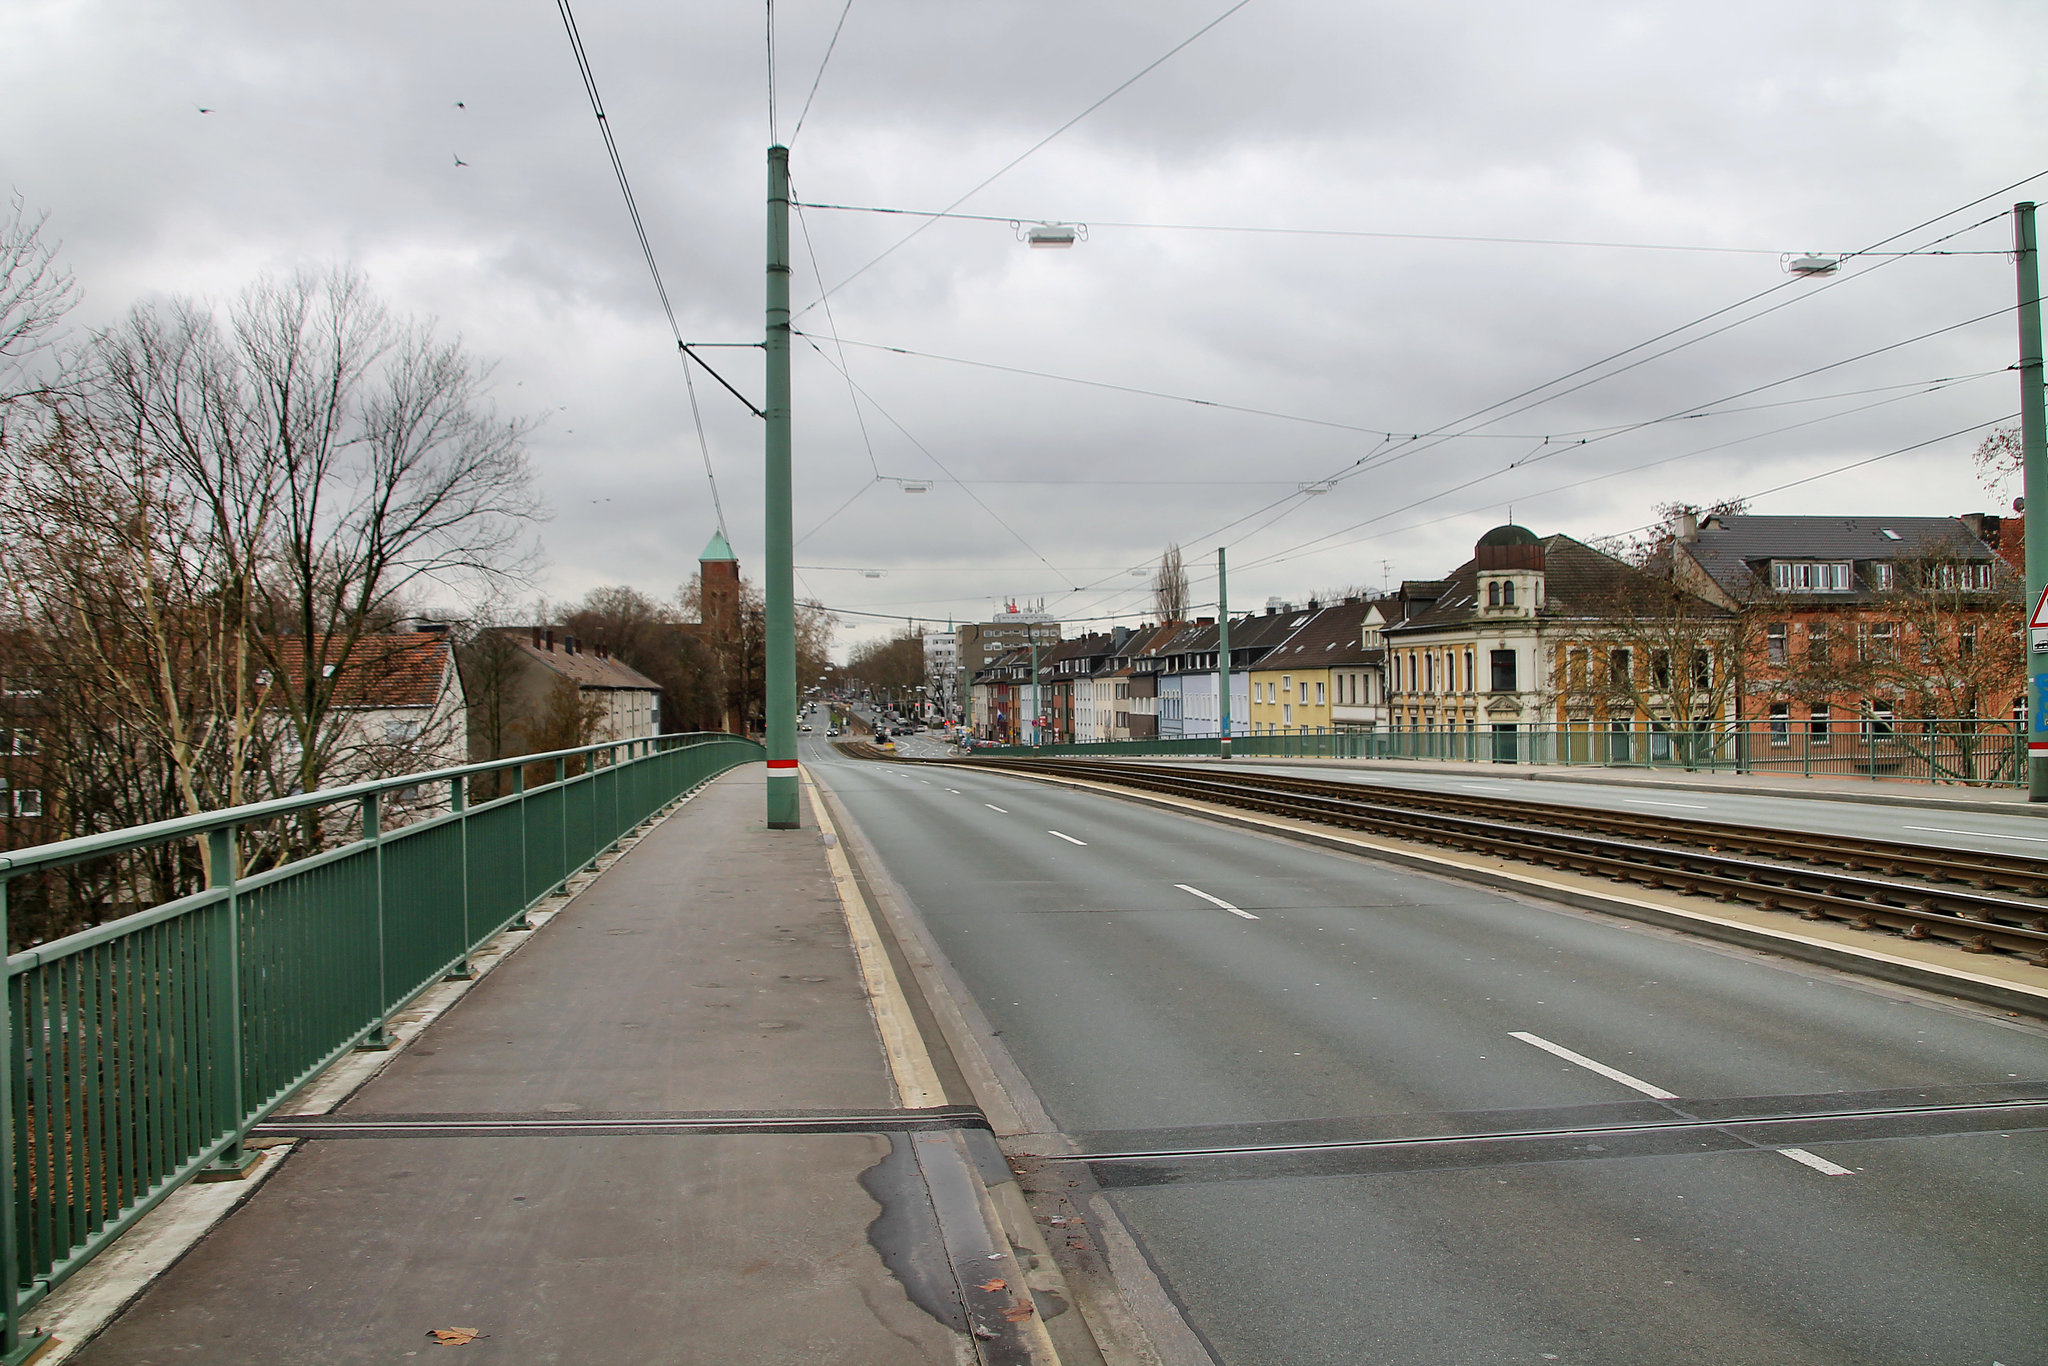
column 709, row 970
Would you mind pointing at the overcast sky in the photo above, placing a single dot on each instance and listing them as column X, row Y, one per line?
column 1756, row 129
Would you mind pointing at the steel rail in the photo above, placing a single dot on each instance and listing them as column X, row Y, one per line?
column 1725, row 868
column 1891, row 858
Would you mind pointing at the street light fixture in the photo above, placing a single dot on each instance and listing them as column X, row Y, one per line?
column 1054, row 235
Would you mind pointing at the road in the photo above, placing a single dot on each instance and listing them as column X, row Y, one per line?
column 1165, row 982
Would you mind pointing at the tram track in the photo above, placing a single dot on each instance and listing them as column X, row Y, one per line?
column 1984, row 903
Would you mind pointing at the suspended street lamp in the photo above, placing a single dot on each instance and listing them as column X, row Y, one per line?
column 1055, row 235
column 1809, row 263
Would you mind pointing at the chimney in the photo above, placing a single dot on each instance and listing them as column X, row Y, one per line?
column 536, row 637
column 1205, row 621
column 1685, row 525
column 551, row 641
column 1975, row 522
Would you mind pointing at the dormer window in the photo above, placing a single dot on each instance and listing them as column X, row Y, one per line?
column 1808, row 576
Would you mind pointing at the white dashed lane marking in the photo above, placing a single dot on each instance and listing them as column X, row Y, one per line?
column 1068, row 838
column 1214, row 900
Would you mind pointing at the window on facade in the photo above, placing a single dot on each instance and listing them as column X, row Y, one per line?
column 1319, row 693
column 1966, row 642
column 1507, row 593
column 1818, row 645
column 1884, row 576
column 1575, row 669
column 1429, row 672
column 1774, row 642
column 1493, row 593
column 23, row 742
column 1960, row 575
column 1702, row 671
column 1802, row 576
column 1817, row 726
column 1882, row 641
column 1468, row 671
column 1503, row 666
column 1286, row 713
column 1883, row 711
column 1620, row 670
column 28, row 801
column 1304, row 692
column 1660, row 670
column 1781, row 724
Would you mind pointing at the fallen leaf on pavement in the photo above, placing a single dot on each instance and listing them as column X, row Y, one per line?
column 454, row 1337
column 1019, row 1311
column 992, row 1286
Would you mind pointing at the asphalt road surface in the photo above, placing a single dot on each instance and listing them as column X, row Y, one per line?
column 1167, row 983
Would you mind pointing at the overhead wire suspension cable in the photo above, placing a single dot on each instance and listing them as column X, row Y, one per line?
column 611, row 147
column 826, row 61
column 1254, row 229
column 1013, row 162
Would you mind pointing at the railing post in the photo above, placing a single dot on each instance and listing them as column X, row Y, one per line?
column 373, row 832
column 14, row 1347
column 224, row 858
column 520, row 922
column 458, row 804
column 562, row 783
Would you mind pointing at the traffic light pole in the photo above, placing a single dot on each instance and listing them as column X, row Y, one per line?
column 780, row 571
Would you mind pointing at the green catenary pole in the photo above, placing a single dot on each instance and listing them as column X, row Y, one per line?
column 780, row 572
column 1222, row 654
column 2034, row 453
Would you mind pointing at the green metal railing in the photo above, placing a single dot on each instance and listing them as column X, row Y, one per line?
column 1984, row 753
column 140, row 1051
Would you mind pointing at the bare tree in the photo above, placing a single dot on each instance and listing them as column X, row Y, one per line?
column 35, row 295
column 1660, row 659
column 219, row 513
column 1998, row 457
column 894, row 666
column 395, row 472
column 1170, row 587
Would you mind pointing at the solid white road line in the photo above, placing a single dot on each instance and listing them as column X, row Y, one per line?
column 1069, row 838
column 1977, row 834
column 1633, row 1083
column 993, row 807
column 1214, row 900
column 1799, row 1155
column 1649, row 801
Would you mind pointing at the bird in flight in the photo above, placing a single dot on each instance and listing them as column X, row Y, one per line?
column 204, row 110
column 460, row 105
column 460, row 162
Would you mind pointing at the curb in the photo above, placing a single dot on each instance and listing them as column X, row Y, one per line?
column 1017, row 1260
